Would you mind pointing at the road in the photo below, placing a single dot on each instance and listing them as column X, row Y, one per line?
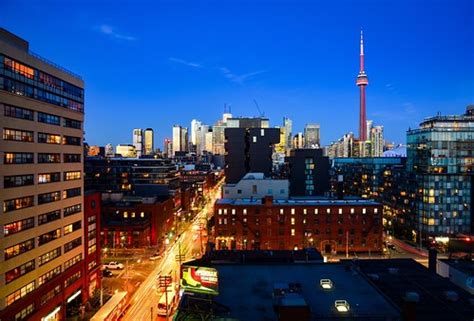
column 143, row 303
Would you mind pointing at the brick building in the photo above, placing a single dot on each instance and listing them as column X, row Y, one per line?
column 331, row 226
column 92, row 253
column 136, row 221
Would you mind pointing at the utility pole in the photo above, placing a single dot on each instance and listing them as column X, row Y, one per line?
column 164, row 282
column 347, row 244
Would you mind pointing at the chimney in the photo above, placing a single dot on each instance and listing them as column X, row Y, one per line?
column 340, row 187
column 432, row 256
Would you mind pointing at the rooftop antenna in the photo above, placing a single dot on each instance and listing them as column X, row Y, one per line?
column 262, row 114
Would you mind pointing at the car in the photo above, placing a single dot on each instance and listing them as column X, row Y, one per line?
column 114, row 265
column 391, row 246
column 155, row 257
column 107, row 273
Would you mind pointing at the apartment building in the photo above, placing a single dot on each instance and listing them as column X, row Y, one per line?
column 41, row 186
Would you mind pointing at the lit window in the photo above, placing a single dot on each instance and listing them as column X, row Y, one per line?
column 233, row 211
column 281, row 211
column 254, row 139
column 125, row 214
column 364, row 211
column 316, row 211
column 328, row 210
column 376, row 210
column 220, row 211
column 292, row 221
column 352, row 211
column 340, row 211
column 262, row 132
column 292, row 211
column 142, row 214
column 244, row 211
column 305, row 211
column 292, row 232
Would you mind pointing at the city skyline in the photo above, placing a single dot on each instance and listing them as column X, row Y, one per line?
column 296, row 69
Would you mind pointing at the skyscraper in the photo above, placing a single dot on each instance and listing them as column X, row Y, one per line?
column 362, row 81
column 311, row 136
column 288, row 124
column 298, row 141
column 138, row 141
column 42, row 269
column 180, row 139
column 195, row 124
column 148, row 144
column 376, row 141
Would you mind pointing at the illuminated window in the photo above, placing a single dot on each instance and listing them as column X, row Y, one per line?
column 18, row 294
column 18, row 135
column 49, row 138
column 281, row 211
column 292, row 221
column 340, row 211
column 328, row 211
column 364, row 211
column 125, row 214
column 142, row 214
column 71, row 176
column 233, row 211
column 244, row 211
column 316, row 211
column 305, row 211
column 133, row 214
column 352, row 211
column 220, row 211
column 292, row 211
column 376, row 210
column 292, row 232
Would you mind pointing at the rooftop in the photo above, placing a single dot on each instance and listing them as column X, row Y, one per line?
column 465, row 266
column 300, row 201
column 249, row 291
column 438, row 298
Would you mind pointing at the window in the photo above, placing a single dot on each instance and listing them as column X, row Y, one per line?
column 305, row 211
column 281, row 211
column 292, row 221
column 72, row 227
column 18, row 226
column 254, row 189
column 72, row 261
column 49, row 178
column 49, row 158
column 72, row 210
column 18, row 112
column 18, row 135
column 18, row 203
column 72, row 192
column 72, row 158
column 71, row 176
column 292, row 211
column 49, row 236
column 19, row 248
column 364, row 211
column 18, row 294
column 25, row 313
column 254, row 139
column 18, row 180
column 71, row 140
column 352, row 210
column 73, row 278
column 71, row 123
column 19, row 271
column 92, row 264
column 49, row 256
column 50, row 294
column 376, row 210
column 339, row 211
column 244, row 211
column 292, row 232
column 18, row 158
column 48, row 276
column 49, row 217
column 49, row 119
column 45, row 138
column 328, row 211
column 18, row 68
column 73, row 244
column 49, row 197
column 91, row 249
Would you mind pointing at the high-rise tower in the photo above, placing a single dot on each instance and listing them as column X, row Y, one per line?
column 362, row 81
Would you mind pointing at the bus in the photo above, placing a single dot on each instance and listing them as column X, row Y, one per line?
column 113, row 309
column 173, row 297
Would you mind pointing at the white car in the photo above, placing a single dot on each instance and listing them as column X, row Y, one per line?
column 155, row 257
column 114, row 265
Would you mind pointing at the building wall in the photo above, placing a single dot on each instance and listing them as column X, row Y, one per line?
column 257, row 188
column 92, row 250
column 270, row 225
column 309, row 172
column 32, row 72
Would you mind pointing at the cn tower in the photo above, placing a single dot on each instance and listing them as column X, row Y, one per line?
column 362, row 81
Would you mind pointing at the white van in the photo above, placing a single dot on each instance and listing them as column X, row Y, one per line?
column 173, row 296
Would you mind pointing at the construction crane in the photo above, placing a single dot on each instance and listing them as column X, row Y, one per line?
column 262, row 114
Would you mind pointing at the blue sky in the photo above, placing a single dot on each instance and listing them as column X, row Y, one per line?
column 159, row 63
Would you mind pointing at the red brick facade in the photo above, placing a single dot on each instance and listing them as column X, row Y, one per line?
column 330, row 226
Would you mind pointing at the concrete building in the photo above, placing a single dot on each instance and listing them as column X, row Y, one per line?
column 41, row 186
column 298, row 141
column 195, row 124
column 180, row 139
column 249, row 150
column 137, row 141
column 285, row 286
column 248, row 122
column 376, row 141
column 288, row 124
column 308, row 172
column 126, row 150
column 331, row 226
column 255, row 185
column 148, row 142
column 312, row 136
column 109, row 150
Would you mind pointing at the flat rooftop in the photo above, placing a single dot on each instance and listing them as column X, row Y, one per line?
column 247, row 289
column 396, row 277
column 466, row 266
column 298, row 201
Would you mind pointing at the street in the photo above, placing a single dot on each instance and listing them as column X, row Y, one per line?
column 143, row 304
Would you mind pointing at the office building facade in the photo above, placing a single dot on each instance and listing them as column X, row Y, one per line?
column 312, row 136
column 309, row 172
column 138, row 141
column 148, row 142
column 41, row 186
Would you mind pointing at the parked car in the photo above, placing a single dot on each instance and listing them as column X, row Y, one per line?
column 107, row 273
column 114, row 265
column 155, row 257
